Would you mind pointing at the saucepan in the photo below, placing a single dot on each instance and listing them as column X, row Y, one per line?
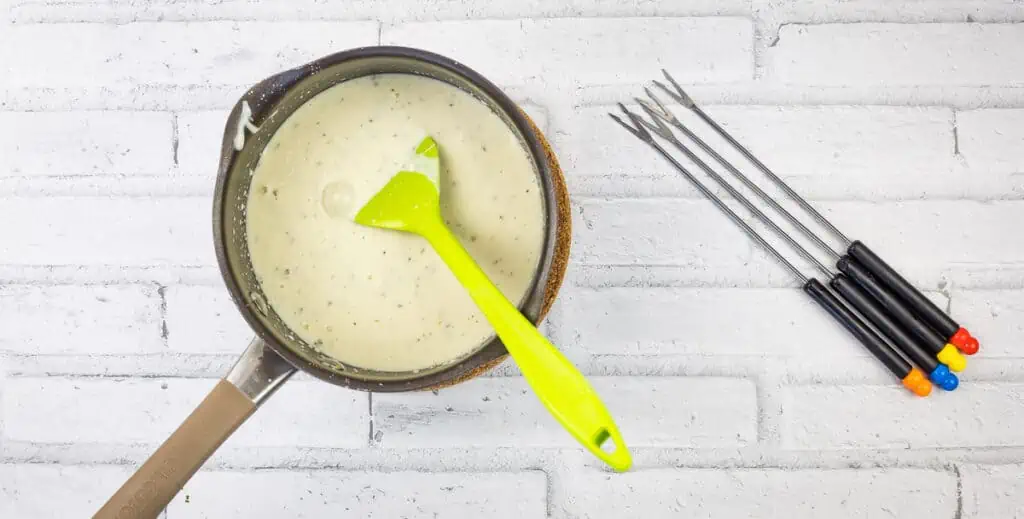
column 277, row 352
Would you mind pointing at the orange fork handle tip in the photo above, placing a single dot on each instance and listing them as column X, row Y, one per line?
column 917, row 382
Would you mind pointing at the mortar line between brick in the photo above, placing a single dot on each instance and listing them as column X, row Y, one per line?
column 174, row 139
column 549, row 491
column 162, row 293
column 369, row 410
column 956, row 136
column 959, row 493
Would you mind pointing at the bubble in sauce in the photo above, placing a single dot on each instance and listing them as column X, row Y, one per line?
column 336, row 199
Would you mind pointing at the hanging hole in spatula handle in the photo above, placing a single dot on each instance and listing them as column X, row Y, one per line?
column 611, row 449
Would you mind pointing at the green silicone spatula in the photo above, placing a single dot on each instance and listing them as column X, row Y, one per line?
column 410, row 202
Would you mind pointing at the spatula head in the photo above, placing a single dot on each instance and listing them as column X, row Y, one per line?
column 411, row 199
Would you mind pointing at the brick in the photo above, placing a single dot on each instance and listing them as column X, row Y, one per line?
column 797, row 494
column 992, row 492
column 847, row 144
column 589, row 51
column 996, row 317
column 991, row 140
column 91, row 56
column 656, row 232
column 497, row 412
column 266, row 494
column 27, row 491
column 70, row 230
column 978, row 414
column 34, row 144
column 199, row 140
column 95, row 319
column 891, row 54
column 90, row 10
column 203, row 319
column 930, row 237
column 123, row 411
column 691, row 321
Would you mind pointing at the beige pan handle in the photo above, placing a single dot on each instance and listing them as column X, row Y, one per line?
column 255, row 376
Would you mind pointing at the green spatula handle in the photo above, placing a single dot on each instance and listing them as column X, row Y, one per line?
column 558, row 384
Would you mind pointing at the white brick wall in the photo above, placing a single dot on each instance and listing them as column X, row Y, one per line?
column 655, row 232
column 199, row 140
column 496, row 411
column 903, row 121
column 220, row 53
column 87, row 319
column 569, row 52
column 897, row 54
column 84, row 143
column 374, row 495
column 73, row 230
column 990, row 140
column 58, row 410
column 996, row 316
column 711, row 493
column 203, row 319
column 992, row 491
column 27, row 490
column 863, row 417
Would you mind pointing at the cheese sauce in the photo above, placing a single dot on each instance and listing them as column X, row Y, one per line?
column 378, row 299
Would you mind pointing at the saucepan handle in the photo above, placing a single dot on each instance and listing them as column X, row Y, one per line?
column 146, row 493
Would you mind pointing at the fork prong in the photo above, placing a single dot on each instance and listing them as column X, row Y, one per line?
column 640, row 133
column 642, row 123
column 659, row 127
column 679, row 95
column 663, row 111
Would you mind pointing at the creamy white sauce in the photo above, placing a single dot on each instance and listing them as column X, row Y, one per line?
column 378, row 299
column 244, row 123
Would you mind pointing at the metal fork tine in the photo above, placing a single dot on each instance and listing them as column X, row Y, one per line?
column 638, row 133
column 680, row 95
column 661, row 130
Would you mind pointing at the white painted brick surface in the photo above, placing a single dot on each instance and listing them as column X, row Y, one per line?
column 493, row 412
column 870, row 54
column 204, row 320
column 28, row 491
column 270, row 494
column 591, row 51
column 84, row 143
column 106, row 231
column 49, row 10
column 977, row 414
column 799, row 494
column 656, row 232
column 92, row 319
column 995, row 316
column 199, row 140
column 993, row 492
column 688, row 321
column 839, row 142
column 124, row 411
column 87, row 55
column 992, row 140
column 933, row 237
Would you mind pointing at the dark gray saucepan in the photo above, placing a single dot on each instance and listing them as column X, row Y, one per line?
column 276, row 353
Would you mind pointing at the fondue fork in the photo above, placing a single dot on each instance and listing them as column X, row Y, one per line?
column 879, row 346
